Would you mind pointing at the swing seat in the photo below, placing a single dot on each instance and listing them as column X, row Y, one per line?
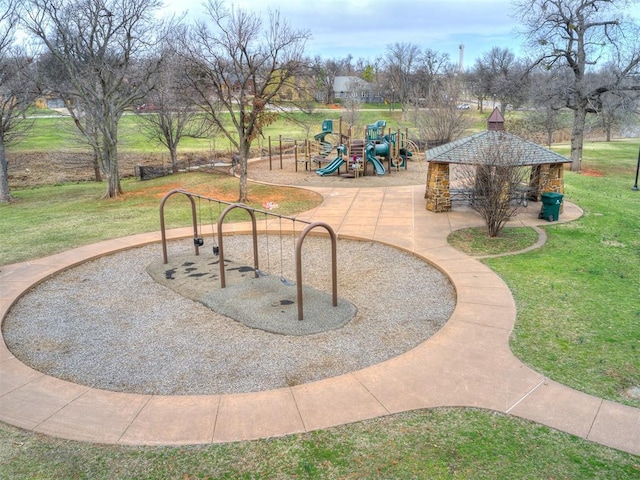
column 261, row 273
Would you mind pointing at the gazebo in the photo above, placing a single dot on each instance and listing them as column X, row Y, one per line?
column 547, row 167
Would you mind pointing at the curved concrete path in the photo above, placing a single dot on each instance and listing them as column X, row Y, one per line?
column 467, row 363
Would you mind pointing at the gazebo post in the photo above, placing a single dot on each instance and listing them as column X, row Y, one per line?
column 437, row 192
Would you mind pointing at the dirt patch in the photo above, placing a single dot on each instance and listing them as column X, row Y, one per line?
column 30, row 169
column 590, row 172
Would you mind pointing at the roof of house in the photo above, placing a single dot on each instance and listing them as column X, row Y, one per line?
column 349, row 83
column 473, row 150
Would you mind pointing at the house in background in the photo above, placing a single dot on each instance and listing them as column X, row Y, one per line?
column 49, row 102
column 355, row 88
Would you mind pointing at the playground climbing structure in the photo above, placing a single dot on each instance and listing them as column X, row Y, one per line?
column 355, row 154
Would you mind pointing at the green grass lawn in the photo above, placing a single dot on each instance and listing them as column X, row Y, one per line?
column 578, row 305
column 50, row 219
column 55, row 132
column 578, row 312
column 424, row 444
column 578, row 322
column 475, row 242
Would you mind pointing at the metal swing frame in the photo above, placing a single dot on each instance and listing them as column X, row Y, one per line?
column 252, row 212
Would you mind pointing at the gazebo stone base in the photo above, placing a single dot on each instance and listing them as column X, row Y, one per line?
column 546, row 178
column 437, row 192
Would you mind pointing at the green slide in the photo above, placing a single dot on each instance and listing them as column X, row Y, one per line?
column 372, row 151
column 332, row 167
column 377, row 164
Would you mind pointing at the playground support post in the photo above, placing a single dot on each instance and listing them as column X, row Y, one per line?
column 334, row 264
column 635, row 185
column 194, row 221
column 254, row 234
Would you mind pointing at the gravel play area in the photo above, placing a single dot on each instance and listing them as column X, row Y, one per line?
column 108, row 324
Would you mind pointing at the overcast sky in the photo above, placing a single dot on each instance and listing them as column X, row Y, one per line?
column 364, row 28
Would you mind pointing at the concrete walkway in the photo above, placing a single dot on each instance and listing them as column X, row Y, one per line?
column 467, row 363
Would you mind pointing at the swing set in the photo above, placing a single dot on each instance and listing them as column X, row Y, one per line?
column 218, row 240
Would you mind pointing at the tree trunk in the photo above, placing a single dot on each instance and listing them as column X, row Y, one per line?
column 112, row 172
column 5, row 193
column 96, row 167
column 243, row 195
column 577, row 136
column 173, row 151
column 110, row 155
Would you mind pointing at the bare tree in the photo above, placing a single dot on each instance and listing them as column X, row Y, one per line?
column 542, row 123
column 548, row 114
column 352, row 103
column 502, row 76
column 169, row 113
column 494, row 182
column 579, row 34
column 616, row 108
column 239, row 66
column 443, row 121
column 432, row 71
column 105, row 51
column 16, row 91
column 54, row 81
column 401, row 62
column 476, row 87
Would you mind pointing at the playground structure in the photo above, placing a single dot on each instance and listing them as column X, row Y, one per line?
column 218, row 239
column 355, row 154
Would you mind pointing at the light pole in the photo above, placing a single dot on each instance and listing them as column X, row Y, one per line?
column 635, row 186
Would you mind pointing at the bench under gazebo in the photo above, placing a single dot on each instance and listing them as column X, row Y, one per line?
column 547, row 167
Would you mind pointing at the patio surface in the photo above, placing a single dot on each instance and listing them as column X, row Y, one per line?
column 466, row 363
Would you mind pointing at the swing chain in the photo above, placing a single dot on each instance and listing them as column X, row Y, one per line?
column 198, row 241
column 216, row 249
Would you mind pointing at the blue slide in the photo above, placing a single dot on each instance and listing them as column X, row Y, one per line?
column 332, row 167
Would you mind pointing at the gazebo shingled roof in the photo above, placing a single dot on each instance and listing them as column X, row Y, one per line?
column 470, row 150
column 546, row 166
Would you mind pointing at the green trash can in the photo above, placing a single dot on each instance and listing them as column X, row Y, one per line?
column 551, row 202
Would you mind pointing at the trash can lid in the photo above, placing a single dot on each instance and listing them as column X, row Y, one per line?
column 552, row 195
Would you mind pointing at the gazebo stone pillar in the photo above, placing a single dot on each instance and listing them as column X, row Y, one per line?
column 547, row 178
column 437, row 192
column 555, row 178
